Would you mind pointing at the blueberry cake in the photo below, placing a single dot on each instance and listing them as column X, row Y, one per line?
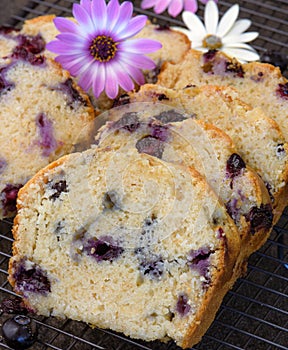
column 44, row 115
column 177, row 137
column 257, row 137
column 125, row 241
column 259, row 84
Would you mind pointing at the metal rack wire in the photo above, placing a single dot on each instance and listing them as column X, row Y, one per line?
column 254, row 314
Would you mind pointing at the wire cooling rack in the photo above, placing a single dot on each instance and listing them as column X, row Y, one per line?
column 254, row 314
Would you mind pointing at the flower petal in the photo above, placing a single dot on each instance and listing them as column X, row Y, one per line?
column 146, row 4
column 125, row 14
column 83, row 18
column 66, row 25
column 191, row 5
column 99, row 76
column 175, row 7
column 111, row 83
column 86, row 4
column 85, row 82
column 227, row 21
column 242, row 38
column 99, row 14
column 161, row 6
column 135, row 73
column 140, row 46
column 195, row 25
column 113, row 11
column 211, row 17
column 240, row 27
column 137, row 61
column 134, row 26
column 72, row 39
column 85, row 77
column 75, row 64
column 242, row 54
column 239, row 46
column 59, row 47
column 124, row 80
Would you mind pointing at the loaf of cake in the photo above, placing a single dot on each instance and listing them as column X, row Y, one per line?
column 125, row 241
column 257, row 138
column 43, row 114
column 177, row 137
column 259, row 84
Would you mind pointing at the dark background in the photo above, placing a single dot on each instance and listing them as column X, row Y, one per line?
column 9, row 7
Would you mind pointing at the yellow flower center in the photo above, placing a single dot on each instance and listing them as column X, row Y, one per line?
column 103, row 48
column 212, row 42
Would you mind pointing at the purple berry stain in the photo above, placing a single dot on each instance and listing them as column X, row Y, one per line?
column 233, row 209
column 182, row 306
column 29, row 48
column 162, row 97
column 152, row 267
column 59, row 187
column 121, row 101
column 235, row 68
column 13, row 306
column 129, row 121
column 102, row 249
column 235, row 165
column 68, row 88
column 159, row 131
column 170, row 116
column 5, row 85
column 45, row 127
column 199, row 260
column 9, row 197
column 6, row 30
column 150, row 145
column 220, row 233
column 29, row 277
column 3, row 165
column 209, row 55
column 280, row 150
column 282, row 91
column 260, row 218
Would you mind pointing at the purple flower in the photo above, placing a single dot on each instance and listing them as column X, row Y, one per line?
column 174, row 6
column 96, row 50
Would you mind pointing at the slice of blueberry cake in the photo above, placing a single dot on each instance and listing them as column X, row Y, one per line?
column 125, row 241
column 177, row 137
column 257, row 137
column 259, row 84
column 43, row 114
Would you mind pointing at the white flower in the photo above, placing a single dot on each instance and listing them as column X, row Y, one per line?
column 227, row 35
